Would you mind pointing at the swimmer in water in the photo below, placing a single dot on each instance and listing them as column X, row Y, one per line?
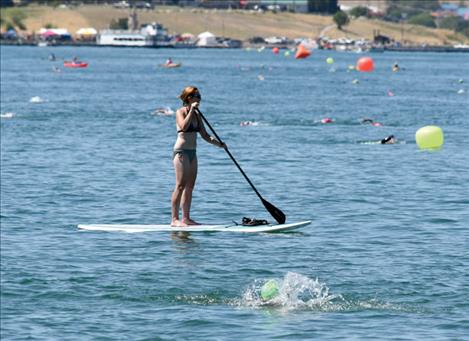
column 248, row 123
column 370, row 122
column 389, row 140
column 163, row 111
column 396, row 67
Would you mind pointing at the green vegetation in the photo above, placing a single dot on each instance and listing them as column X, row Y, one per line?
column 423, row 19
column 6, row 3
column 54, row 3
column 401, row 9
column 9, row 26
column 450, row 23
column 418, row 13
column 414, row 6
column 17, row 16
column 456, row 24
column 12, row 18
column 322, row 6
column 341, row 19
column 119, row 24
column 359, row 11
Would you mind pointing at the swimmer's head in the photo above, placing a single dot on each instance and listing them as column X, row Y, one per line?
column 388, row 140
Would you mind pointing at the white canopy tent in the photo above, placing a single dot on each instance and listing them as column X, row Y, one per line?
column 87, row 31
column 57, row 31
column 206, row 39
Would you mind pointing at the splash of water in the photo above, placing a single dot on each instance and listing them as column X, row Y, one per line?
column 7, row 115
column 299, row 292
column 296, row 291
column 37, row 99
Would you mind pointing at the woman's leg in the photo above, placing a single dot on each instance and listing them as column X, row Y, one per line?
column 187, row 194
column 181, row 168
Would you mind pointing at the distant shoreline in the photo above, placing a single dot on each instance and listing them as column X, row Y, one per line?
column 240, row 25
column 245, row 45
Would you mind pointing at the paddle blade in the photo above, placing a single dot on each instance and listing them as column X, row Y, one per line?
column 274, row 212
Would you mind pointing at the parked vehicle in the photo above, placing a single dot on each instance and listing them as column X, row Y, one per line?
column 121, row 4
column 143, row 5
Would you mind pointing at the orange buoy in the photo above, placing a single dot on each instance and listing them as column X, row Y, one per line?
column 275, row 50
column 302, row 52
column 365, row 64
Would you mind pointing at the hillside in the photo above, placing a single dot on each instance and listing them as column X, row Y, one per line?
column 235, row 24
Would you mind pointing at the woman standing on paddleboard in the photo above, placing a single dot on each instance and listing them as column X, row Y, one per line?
column 188, row 124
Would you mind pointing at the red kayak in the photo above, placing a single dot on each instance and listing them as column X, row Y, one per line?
column 75, row 64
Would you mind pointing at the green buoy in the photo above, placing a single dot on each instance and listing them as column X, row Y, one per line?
column 269, row 290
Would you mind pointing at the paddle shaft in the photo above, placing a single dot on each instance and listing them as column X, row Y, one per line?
column 230, row 155
column 278, row 215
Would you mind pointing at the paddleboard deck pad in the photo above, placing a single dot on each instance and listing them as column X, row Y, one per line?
column 132, row 228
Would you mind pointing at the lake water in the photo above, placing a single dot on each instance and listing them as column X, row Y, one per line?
column 386, row 256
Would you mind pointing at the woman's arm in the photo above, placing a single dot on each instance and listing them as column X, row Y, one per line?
column 207, row 137
column 184, row 122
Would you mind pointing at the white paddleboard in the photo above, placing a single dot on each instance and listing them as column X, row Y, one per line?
column 195, row 228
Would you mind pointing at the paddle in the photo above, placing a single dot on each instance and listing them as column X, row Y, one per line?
column 278, row 215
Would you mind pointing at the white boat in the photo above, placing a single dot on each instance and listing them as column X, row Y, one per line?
column 124, row 38
column 151, row 35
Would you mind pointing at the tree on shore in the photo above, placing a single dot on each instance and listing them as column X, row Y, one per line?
column 322, row 6
column 119, row 24
column 457, row 24
column 397, row 9
column 341, row 19
column 423, row 19
column 17, row 17
column 6, row 3
column 359, row 11
column 13, row 18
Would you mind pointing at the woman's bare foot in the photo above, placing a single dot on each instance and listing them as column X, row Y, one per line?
column 189, row 222
column 175, row 223
column 180, row 223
